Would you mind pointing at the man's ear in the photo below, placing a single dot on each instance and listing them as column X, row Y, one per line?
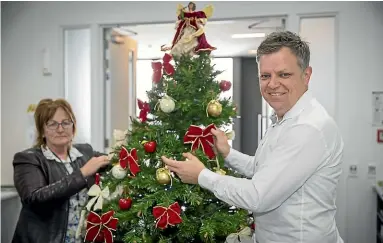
column 307, row 74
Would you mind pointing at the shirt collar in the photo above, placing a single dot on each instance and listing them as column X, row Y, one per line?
column 302, row 102
column 73, row 154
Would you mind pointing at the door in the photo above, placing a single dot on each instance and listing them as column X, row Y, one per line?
column 120, row 84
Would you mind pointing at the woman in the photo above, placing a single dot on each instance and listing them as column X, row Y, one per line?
column 53, row 177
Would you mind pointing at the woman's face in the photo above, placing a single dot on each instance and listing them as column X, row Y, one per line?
column 191, row 6
column 58, row 131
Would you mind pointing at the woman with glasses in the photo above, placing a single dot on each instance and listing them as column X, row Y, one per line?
column 52, row 178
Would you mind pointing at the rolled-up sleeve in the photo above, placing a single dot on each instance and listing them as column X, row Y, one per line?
column 298, row 154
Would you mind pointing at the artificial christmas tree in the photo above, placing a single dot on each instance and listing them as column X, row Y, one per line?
column 139, row 199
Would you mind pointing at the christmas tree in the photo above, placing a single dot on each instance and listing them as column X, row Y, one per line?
column 139, row 199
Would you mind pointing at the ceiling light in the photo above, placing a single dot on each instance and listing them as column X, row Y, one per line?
column 221, row 22
column 248, row 35
column 252, row 51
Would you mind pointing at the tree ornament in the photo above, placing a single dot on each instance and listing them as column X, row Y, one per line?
column 98, row 197
column 159, row 67
column 167, row 104
column 144, row 110
column 129, row 159
column 203, row 138
column 150, row 146
column 214, row 108
column 224, row 85
column 169, row 216
column 230, row 135
column 235, row 108
column 125, row 203
column 119, row 137
column 118, row 172
column 163, row 176
column 99, row 228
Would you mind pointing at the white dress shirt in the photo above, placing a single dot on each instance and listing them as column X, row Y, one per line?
column 292, row 179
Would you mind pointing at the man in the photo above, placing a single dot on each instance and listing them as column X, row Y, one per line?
column 294, row 174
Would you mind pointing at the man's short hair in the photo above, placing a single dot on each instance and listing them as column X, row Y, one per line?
column 277, row 40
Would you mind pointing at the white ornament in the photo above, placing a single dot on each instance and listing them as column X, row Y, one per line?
column 119, row 137
column 118, row 172
column 230, row 135
column 117, row 193
column 167, row 104
column 98, row 197
column 147, row 162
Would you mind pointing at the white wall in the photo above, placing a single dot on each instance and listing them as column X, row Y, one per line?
column 28, row 27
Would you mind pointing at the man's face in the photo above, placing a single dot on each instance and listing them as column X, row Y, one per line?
column 282, row 81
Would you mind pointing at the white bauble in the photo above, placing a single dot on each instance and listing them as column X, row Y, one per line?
column 167, row 104
column 118, row 172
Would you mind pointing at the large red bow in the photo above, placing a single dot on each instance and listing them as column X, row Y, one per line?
column 201, row 137
column 144, row 110
column 158, row 66
column 99, row 229
column 129, row 159
column 167, row 216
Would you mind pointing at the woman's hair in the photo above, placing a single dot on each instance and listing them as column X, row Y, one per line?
column 194, row 5
column 45, row 110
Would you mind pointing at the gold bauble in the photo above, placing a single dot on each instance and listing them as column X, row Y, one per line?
column 214, row 108
column 163, row 176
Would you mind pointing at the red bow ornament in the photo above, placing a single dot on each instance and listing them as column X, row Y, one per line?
column 167, row 216
column 129, row 159
column 144, row 110
column 158, row 66
column 99, row 229
column 201, row 137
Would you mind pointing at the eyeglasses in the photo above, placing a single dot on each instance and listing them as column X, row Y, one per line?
column 53, row 125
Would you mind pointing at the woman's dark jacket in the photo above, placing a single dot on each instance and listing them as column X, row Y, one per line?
column 45, row 191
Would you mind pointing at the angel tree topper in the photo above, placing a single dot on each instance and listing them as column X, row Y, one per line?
column 190, row 35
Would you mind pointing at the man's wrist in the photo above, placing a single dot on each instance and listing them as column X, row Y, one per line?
column 227, row 152
column 206, row 178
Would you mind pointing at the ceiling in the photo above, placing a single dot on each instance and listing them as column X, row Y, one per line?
column 150, row 37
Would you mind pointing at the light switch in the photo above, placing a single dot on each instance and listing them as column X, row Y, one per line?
column 353, row 171
column 371, row 171
column 46, row 62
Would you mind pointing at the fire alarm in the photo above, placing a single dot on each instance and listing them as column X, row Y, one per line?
column 379, row 136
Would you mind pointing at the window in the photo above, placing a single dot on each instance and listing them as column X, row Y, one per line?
column 77, row 79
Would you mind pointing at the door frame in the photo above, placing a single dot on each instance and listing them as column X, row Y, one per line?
column 106, row 33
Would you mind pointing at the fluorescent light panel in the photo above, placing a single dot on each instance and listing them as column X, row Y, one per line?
column 248, row 35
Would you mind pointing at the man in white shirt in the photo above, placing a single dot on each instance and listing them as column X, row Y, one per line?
column 292, row 179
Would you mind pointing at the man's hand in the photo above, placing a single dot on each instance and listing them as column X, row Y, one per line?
column 188, row 171
column 221, row 142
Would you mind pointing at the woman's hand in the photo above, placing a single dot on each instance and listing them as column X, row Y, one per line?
column 93, row 165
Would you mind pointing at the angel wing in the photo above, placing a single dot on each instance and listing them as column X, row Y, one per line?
column 208, row 10
column 179, row 9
